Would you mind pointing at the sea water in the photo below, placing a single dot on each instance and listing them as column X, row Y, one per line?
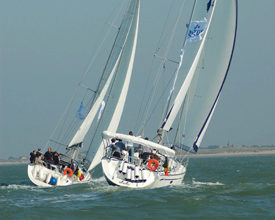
column 214, row 188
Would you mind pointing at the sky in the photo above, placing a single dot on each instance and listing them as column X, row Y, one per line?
column 45, row 46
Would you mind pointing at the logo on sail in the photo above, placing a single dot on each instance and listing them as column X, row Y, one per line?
column 81, row 114
column 196, row 30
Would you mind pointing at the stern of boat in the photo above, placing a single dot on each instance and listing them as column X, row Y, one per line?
column 45, row 177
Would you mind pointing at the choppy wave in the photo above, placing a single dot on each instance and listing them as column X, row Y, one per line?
column 207, row 183
column 98, row 180
column 16, row 186
column 212, row 189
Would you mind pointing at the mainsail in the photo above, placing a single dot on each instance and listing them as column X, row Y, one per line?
column 116, row 99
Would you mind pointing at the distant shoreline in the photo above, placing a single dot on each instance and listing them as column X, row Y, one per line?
column 233, row 154
column 198, row 155
column 12, row 162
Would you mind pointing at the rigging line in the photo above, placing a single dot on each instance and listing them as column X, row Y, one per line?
column 83, row 76
column 186, row 103
column 165, row 110
column 177, row 136
column 149, row 103
column 151, row 68
column 167, row 59
column 110, row 55
column 165, row 24
column 168, row 141
column 59, row 143
column 191, row 90
column 156, row 105
column 97, row 123
column 87, row 88
column 141, row 107
column 186, row 112
column 69, row 127
column 113, row 82
column 147, row 116
column 184, row 42
column 72, row 127
column 100, row 45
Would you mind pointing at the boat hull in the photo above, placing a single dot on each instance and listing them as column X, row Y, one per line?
column 42, row 176
column 140, row 177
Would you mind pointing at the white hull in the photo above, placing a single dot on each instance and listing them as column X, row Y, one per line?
column 42, row 176
column 118, row 172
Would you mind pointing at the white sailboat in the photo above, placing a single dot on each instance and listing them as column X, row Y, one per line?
column 199, row 76
column 104, row 108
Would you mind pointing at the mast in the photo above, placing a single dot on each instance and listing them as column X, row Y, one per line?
column 175, row 107
column 115, row 102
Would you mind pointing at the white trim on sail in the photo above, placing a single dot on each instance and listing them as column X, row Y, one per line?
column 86, row 124
column 172, row 113
column 120, row 104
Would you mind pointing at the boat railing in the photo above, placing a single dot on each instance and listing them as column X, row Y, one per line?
column 140, row 158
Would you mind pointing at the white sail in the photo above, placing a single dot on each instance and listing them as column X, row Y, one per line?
column 211, row 73
column 115, row 103
column 173, row 112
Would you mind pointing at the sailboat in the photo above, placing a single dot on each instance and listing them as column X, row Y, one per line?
column 100, row 109
column 198, row 78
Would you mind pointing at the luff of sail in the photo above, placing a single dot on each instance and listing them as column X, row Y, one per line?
column 115, row 103
column 110, row 68
column 175, row 107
